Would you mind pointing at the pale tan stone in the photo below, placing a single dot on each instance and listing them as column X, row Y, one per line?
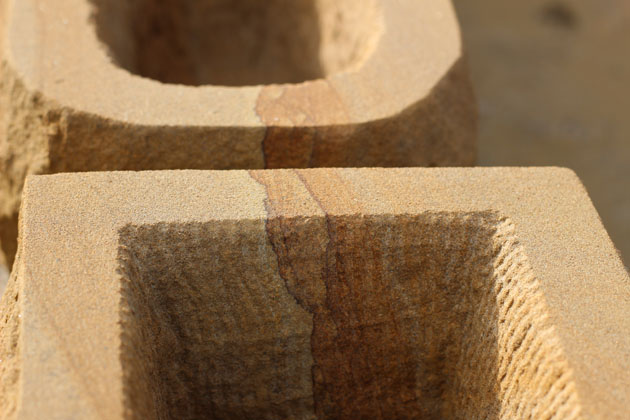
column 252, row 84
column 322, row 293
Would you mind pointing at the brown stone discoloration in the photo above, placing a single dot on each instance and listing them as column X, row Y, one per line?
column 317, row 258
column 301, row 120
column 309, row 125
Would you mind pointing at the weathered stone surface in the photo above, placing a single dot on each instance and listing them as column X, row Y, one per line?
column 227, row 85
column 553, row 83
column 322, row 293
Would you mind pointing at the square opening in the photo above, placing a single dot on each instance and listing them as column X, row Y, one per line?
column 436, row 315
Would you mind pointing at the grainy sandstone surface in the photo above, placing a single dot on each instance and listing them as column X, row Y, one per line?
column 117, row 85
column 323, row 293
column 553, row 82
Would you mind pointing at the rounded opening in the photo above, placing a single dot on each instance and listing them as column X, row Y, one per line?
column 237, row 42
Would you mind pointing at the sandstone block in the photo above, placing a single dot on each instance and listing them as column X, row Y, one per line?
column 321, row 293
column 99, row 85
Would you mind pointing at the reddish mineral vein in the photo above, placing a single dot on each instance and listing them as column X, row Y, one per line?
column 298, row 119
column 352, row 352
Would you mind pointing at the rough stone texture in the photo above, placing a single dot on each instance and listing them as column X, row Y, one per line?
column 321, row 293
column 553, row 82
column 241, row 84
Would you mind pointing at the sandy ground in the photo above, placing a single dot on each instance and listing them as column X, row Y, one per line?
column 553, row 85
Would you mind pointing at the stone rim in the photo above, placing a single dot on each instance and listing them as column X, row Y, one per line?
column 83, row 78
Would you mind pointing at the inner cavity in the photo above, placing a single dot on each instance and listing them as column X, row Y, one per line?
column 237, row 42
column 381, row 317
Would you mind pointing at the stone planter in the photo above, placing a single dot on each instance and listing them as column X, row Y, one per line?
column 116, row 85
column 322, row 293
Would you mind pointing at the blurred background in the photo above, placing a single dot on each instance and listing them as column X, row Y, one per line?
column 553, row 84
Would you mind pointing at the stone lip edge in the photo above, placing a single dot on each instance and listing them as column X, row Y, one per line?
column 171, row 93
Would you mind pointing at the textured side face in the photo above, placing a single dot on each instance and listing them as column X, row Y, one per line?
column 436, row 315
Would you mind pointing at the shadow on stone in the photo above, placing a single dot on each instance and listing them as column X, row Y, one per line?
column 224, row 42
column 385, row 317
